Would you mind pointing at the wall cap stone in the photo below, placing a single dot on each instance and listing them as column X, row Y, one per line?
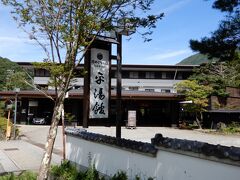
column 195, row 147
column 130, row 145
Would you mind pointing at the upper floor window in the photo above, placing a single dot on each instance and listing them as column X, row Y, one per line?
column 165, row 90
column 133, row 75
column 150, row 75
column 164, row 75
column 39, row 72
column 149, row 90
column 133, row 88
column 179, row 75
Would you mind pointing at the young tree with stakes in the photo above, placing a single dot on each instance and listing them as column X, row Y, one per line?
column 65, row 29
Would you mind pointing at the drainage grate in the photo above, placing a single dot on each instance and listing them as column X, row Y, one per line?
column 11, row 149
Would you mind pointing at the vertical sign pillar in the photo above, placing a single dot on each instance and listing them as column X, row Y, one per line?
column 97, row 83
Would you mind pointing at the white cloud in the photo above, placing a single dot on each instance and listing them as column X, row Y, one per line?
column 166, row 55
column 175, row 6
column 8, row 39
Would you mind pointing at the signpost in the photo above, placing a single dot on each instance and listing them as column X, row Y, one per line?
column 99, row 83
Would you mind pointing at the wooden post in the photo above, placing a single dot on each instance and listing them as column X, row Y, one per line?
column 8, row 130
column 86, row 90
column 119, row 87
column 63, row 135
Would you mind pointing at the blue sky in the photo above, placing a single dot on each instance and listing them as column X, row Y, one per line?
column 184, row 20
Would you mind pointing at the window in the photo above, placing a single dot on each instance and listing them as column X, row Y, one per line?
column 165, row 90
column 149, row 90
column 170, row 75
column 179, row 75
column 42, row 73
column 141, row 75
column 133, row 75
column 164, row 75
column 150, row 75
column 133, row 88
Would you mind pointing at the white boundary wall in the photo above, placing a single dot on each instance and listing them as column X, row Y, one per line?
column 166, row 165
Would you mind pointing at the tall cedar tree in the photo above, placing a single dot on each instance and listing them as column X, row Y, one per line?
column 65, row 29
column 225, row 41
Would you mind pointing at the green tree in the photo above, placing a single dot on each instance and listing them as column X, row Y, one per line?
column 196, row 93
column 218, row 75
column 12, row 76
column 65, row 30
column 225, row 41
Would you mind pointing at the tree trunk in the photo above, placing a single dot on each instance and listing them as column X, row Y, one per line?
column 46, row 160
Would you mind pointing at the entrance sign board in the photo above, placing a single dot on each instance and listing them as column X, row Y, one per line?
column 99, row 83
column 132, row 118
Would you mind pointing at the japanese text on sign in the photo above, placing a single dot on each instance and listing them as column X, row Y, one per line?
column 99, row 83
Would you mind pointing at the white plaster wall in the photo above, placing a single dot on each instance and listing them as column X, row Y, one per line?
column 41, row 80
column 165, row 83
column 109, row 160
column 167, row 165
column 143, row 84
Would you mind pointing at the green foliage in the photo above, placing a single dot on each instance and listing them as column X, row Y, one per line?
column 26, row 175
column 3, row 123
column 120, row 176
column 65, row 171
column 218, row 75
column 3, row 126
column 2, row 108
column 12, row 76
column 92, row 173
column 224, row 42
column 197, row 94
column 232, row 128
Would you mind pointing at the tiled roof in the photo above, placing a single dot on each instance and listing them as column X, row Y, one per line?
column 122, row 143
column 219, row 151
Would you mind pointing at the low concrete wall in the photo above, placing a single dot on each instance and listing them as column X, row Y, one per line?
column 156, row 160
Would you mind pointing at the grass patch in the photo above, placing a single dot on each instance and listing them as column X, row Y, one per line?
column 233, row 128
column 66, row 171
column 3, row 127
column 25, row 175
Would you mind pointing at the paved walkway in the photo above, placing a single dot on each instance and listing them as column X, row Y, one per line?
column 146, row 133
column 19, row 155
column 26, row 154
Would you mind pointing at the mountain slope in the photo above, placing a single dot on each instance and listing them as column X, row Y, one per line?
column 196, row 59
column 7, row 67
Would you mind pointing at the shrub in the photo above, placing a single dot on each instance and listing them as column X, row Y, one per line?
column 3, row 127
column 65, row 171
column 120, row 176
column 232, row 128
column 25, row 175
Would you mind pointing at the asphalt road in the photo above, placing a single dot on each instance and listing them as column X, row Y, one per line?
column 38, row 134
